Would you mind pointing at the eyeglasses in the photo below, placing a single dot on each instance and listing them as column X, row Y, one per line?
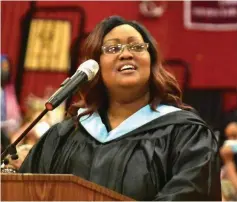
column 119, row 48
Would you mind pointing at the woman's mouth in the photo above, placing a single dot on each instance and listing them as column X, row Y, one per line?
column 127, row 68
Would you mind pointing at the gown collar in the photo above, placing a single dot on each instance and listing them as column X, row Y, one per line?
column 96, row 128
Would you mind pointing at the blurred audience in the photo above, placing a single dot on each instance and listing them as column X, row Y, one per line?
column 14, row 165
column 229, row 156
column 10, row 110
column 34, row 106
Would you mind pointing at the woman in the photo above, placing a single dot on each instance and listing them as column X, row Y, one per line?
column 133, row 134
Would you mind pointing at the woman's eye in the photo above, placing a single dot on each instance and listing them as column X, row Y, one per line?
column 138, row 47
column 113, row 49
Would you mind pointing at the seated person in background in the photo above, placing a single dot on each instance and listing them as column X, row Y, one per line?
column 34, row 106
column 229, row 156
column 10, row 110
column 131, row 132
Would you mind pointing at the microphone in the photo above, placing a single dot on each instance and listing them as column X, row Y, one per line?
column 85, row 72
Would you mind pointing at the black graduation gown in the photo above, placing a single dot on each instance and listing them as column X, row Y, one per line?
column 174, row 157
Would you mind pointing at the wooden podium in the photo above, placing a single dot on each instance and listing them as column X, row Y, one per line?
column 54, row 187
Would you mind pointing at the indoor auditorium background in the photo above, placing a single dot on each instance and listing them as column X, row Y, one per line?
column 41, row 40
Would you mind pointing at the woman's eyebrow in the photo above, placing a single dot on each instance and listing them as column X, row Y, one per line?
column 115, row 39
column 134, row 38
column 118, row 40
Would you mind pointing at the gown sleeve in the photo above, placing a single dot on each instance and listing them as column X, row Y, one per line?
column 194, row 166
column 39, row 158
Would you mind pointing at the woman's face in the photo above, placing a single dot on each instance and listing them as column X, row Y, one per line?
column 126, row 68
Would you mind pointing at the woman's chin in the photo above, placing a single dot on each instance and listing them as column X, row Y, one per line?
column 129, row 83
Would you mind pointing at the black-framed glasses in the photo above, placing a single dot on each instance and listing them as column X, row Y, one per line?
column 119, row 48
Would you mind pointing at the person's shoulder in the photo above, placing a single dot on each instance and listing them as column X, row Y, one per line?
column 188, row 123
column 59, row 129
column 185, row 124
column 173, row 118
column 180, row 117
column 65, row 126
column 189, row 116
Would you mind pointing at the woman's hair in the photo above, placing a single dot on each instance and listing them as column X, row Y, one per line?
column 163, row 86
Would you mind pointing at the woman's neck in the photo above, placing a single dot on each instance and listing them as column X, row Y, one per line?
column 121, row 108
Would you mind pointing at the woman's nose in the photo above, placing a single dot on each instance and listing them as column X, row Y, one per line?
column 125, row 54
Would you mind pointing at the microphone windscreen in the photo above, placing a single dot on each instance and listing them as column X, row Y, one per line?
column 90, row 68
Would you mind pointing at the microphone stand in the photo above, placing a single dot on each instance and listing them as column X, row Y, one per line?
column 52, row 103
column 68, row 87
column 11, row 149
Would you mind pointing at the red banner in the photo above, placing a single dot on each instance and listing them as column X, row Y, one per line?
column 210, row 15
